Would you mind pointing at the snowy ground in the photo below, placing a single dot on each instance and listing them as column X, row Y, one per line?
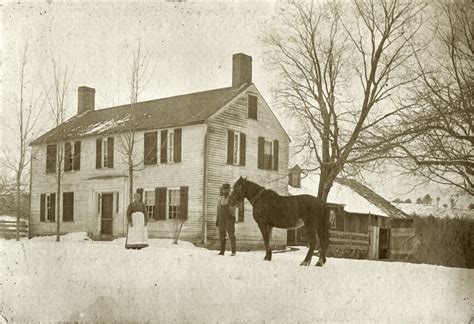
column 82, row 280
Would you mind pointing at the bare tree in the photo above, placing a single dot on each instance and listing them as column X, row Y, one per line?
column 128, row 141
column 340, row 66
column 441, row 149
column 27, row 112
column 56, row 99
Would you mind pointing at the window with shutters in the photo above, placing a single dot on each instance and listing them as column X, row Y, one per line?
column 170, row 146
column 252, row 106
column 268, row 155
column 72, row 156
column 150, row 203
column 236, row 148
column 104, row 152
column 49, row 205
column 173, row 203
column 51, row 152
column 236, row 159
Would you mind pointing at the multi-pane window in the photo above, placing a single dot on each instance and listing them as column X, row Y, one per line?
column 268, row 155
column 48, row 207
column 332, row 218
column 173, row 203
column 236, row 154
column 150, row 203
column 72, row 156
column 236, row 147
column 104, row 152
column 171, row 146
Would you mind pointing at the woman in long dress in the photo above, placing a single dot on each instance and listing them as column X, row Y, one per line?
column 137, row 216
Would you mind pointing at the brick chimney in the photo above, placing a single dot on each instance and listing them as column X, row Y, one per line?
column 241, row 70
column 85, row 99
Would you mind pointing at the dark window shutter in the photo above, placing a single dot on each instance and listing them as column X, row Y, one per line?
column 242, row 148
column 51, row 152
column 241, row 216
column 68, row 206
column 230, row 147
column 77, row 155
column 140, row 191
column 160, row 203
column 177, row 144
column 98, row 153
column 150, row 148
column 275, row 155
column 42, row 206
column 164, row 147
column 110, row 152
column 67, row 157
column 261, row 147
column 52, row 204
column 183, row 203
column 252, row 106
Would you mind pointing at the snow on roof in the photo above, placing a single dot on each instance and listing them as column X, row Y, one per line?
column 340, row 194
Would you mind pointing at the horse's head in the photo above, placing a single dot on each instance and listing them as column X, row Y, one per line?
column 239, row 192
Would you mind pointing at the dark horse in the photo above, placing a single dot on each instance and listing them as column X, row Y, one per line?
column 272, row 210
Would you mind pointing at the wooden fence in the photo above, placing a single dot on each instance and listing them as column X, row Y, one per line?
column 8, row 229
column 349, row 240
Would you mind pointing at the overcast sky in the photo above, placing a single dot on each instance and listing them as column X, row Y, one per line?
column 191, row 47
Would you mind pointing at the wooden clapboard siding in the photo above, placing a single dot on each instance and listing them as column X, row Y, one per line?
column 188, row 172
column 234, row 117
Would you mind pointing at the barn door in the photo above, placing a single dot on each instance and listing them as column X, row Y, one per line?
column 401, row 242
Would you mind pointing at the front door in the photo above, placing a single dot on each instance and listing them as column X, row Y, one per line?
column 107, row 214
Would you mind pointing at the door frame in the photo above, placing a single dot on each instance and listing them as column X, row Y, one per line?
column 101, row 195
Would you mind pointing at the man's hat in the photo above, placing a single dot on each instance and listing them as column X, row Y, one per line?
column 226, row 186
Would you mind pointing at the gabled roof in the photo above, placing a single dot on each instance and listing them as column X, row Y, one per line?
column 188, row 109
column 372, row 197
column 355, row 197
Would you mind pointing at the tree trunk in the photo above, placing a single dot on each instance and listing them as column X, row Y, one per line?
column 58, row 192
column 18, row 206
column 130, row 181
column 326, row 181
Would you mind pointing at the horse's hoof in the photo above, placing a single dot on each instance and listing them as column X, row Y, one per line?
column 305, row 263
column 319, row 264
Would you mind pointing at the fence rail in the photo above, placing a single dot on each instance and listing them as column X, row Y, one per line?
column 8, row 229
column 349, row 240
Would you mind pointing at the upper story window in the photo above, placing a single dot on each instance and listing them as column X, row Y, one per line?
column 236, row 148
column 252, row 106
column 51, row 153
column 104, row 153
column 170, row 150
column 72, row 156
column 268, row 152
column 151, row 148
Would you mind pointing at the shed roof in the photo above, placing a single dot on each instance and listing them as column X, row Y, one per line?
column 356, row 197
column 188, row 109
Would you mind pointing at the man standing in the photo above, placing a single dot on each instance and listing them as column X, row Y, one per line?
column 225, row 220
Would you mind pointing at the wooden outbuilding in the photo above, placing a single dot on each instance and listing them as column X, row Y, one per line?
column 361, row 221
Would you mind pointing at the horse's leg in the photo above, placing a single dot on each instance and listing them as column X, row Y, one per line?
column 311, row 235
column 265, row 229
column 323, row 234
